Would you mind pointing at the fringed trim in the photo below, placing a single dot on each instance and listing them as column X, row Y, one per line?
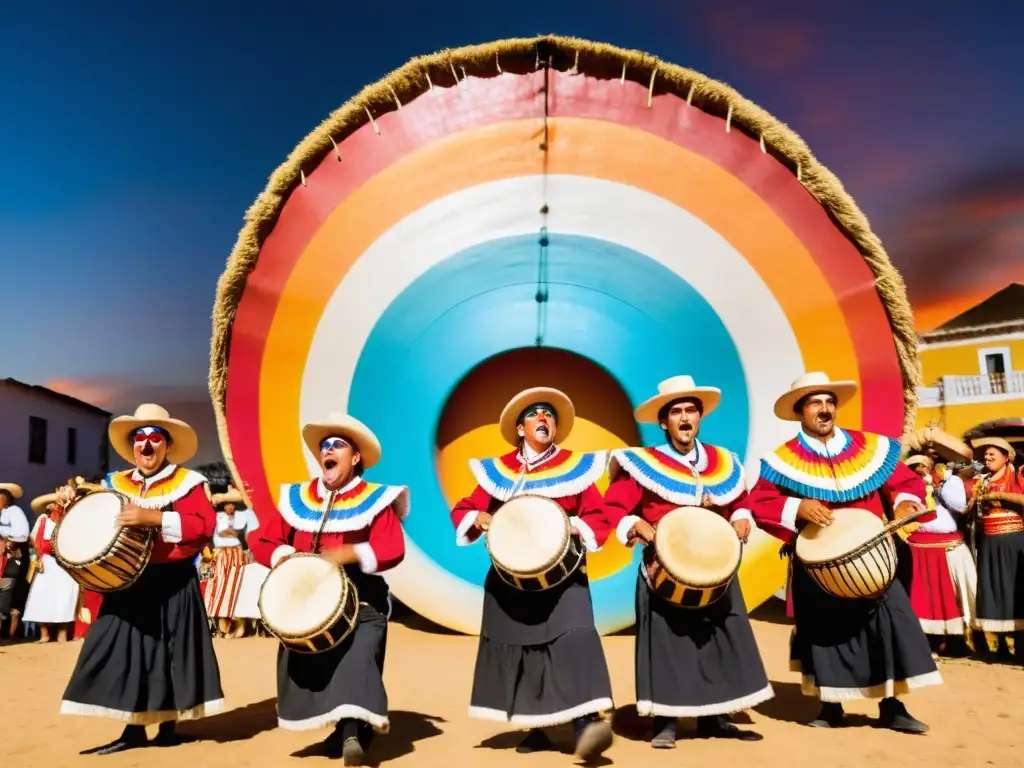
column 142, row 718
column 595, row 707
column 689, row 490
column 379, row 723
column 576, row 478
column 646, row 708
column 998, row 625
column 181, row 486
column 888, row 689
column 346, row 515
column 943, row 627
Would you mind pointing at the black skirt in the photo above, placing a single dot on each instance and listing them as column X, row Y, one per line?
column 14, row 584
column 148, row 657
column 1000, row 602
column 540, row 661
column 696, row 662
column 346, row 682
column 857, row 649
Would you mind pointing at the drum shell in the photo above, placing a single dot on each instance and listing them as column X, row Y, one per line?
column 571, row 557
column 676, row 591
column 119, row 566
column 865, row 573
column 332, row 632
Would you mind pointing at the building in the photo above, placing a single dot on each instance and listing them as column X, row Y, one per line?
column 973, row 365
column 47, row 437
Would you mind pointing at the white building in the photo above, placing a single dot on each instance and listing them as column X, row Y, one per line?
column 47, row 437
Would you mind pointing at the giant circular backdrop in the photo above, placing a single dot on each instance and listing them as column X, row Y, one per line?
column 554, row 212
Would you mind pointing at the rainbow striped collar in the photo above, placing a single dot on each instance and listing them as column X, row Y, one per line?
column 684, row 480
column 850, row 466
column 564, row 474
column 170, row 484
column 302, row 505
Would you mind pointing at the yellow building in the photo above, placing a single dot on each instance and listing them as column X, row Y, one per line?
column 973, row 365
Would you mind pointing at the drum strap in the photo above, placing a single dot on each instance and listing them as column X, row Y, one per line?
column 323, row 522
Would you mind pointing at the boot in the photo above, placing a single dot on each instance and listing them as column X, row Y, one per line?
column 830, row 716
column 892, row 714
column 132, row 737
column 593, row 736
column 664, row 733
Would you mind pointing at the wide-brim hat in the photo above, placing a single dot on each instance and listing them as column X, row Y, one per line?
column 231, row 496
column 12, row 488
column 995, row 442
column 945, row 445
column 348, row 427
column 184, row 441
column 811, row 384
column 912, row 461
column 676, row 388
column 565, row 412
column 42, row 503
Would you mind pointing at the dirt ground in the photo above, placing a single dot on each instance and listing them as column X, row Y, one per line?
column 977, row 716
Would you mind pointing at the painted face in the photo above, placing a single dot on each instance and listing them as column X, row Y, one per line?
column 338, row 459
column 994, row 459
column 682, row 424
column 150, row 449
column 818, row 414
column 538, row 426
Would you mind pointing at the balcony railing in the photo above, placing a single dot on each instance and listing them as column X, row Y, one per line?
column 954, row 390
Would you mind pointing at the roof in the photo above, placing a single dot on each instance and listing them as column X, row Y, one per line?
column 1000, row 313
column 74, row 402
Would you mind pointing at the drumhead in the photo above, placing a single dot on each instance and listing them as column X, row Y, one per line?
column 88, row 528
column 527, row 534
column 697, row 546
column 850, row 528
column 300, row 595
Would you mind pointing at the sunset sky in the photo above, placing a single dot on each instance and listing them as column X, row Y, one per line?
column 135, row 136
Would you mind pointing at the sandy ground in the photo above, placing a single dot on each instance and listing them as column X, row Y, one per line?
column 977, row 717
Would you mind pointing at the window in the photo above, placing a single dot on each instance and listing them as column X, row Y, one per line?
column 993, row 365
column 72, row 446
column 36, row 440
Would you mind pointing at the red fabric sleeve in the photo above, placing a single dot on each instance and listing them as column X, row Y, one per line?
column 198, row 517
column 591, row 513
column 478, row 501
column 622, row 498
column 906, row 480
column 387, row 540
column 267, row 538
column 766, row 503
column 42, row 544
column 740, row 502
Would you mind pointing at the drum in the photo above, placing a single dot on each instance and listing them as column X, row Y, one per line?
column 308, row 603
column 853, row 558
column 531, row 544
column 96, row 552
column 695, row 556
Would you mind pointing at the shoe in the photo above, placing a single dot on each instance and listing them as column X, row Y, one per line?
column 535, row 741
column 133, row 737
column 664, row 733
column 719, row 727
column 830, row 716
column 593, row 738
column 892, row 714
column 352, row 751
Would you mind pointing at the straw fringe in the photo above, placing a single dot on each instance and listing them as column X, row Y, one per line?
column 522, row 55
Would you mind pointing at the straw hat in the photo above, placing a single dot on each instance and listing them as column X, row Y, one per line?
column 231, row 496
column 811, row 384
column 566, row 412
column 919, row 459
column 348, row 427
column 675, row 388
column 183, row 438
column 996, row 442
column 42, row 503
column 947, row 446
column 12, row 488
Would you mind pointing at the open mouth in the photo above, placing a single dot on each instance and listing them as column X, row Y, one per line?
column 147, row 449
column 542, row 430
column 330, row 464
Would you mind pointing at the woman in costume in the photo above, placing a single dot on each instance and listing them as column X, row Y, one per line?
column 846, row 649
column 362, row 533
column 540, row 662
column 229, row 562
column 690, row 662
column 148, row 657
column 1000, row 541
column 53, row 598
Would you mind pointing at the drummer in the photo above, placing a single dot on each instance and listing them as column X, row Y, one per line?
column 148, row 657
column 846, row 649
column 540, row 662
column 362, row 533
column 701, row 663
column 945, row 579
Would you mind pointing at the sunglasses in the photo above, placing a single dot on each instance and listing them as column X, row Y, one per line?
column 333, row 442
column 155, row 435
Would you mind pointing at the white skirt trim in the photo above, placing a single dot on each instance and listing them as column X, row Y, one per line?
column 142, row 718
column 597, row 706
column 999, row 626
column 888, row 689
column 940, row 627
column 652, row 709
column 380, row 723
